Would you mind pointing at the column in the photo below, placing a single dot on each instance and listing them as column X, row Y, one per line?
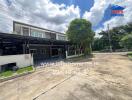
column 0, row 68
column 1, row 47
column 24, row 48
column 75, row 49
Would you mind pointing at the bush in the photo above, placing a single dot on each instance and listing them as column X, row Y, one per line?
column 130, row 53
column 87, row 51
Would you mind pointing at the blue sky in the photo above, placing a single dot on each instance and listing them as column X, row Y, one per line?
column 107, row 16
column 86, row 5
column 57, row 14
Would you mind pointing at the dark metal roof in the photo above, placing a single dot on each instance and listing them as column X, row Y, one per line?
column 22, row 39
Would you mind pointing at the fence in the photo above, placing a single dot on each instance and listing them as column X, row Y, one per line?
column 74, row 55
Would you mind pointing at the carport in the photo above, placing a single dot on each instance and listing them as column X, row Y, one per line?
column 40, row 48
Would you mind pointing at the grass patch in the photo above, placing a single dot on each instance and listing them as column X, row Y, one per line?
column 6, row 74
column 25, row 69
column 19, row 71
column 129, row 55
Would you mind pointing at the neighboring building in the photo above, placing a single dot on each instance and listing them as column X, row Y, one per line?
column 41, row 43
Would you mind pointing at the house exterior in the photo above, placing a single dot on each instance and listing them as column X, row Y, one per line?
column 37, row 44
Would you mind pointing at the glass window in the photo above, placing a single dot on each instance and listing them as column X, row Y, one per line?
column 36, row 33
column 25, row 31
column 47, row 35
column 17, row 29
column 53, row 36
column 60, row 37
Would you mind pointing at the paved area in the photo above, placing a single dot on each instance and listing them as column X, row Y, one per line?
column 103, row 77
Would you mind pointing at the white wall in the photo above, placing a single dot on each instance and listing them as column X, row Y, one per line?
column 23, row 60
column 72, row 56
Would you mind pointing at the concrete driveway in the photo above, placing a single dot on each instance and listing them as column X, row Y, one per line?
column 103, row 77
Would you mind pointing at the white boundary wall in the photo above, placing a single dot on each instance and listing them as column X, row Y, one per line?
column 72, row 56
column 22, row 60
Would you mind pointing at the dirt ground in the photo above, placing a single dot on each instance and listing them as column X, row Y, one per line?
column 103, row 77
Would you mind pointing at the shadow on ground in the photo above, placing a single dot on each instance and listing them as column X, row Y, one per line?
column 107, row 92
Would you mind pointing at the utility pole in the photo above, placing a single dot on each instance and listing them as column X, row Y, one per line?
column 109, row 38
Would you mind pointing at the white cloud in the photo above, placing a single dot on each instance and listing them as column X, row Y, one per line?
column 98, row 31
column 41, row 13
column 96, row 13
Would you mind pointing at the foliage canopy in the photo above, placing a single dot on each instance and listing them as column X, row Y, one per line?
column 126, row 41
column 80, row 32
column 116, row 35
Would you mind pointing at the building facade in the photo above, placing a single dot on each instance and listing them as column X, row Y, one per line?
column 29, row 30
column 42, row 44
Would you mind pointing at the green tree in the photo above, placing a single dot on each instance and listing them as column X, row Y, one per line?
column 126, row 41
column 80, row 32
column 115, row 36
column 97, row 44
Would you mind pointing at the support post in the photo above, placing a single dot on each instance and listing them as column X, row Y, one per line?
column 75, row 49
column 27, row 47
column 24, row 48
column 0, row 68
column 109, row 39
column 50, row 50
column 1, row 47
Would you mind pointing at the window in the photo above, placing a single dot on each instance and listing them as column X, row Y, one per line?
column 53, row 36
column 61, row 37
column 47, row 35
column 25, row 31
column 17, row 29
column 36, row 33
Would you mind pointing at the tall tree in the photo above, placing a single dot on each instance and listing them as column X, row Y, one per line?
column 97, row 44
column 80, row 32
column 115, row 37
column 126, row 41
column 116, row 34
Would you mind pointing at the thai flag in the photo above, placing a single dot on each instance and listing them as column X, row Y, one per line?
column 117, row 10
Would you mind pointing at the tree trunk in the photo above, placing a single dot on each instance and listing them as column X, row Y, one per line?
column 87, row 50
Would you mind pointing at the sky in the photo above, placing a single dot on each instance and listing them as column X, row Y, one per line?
column 57, row 14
